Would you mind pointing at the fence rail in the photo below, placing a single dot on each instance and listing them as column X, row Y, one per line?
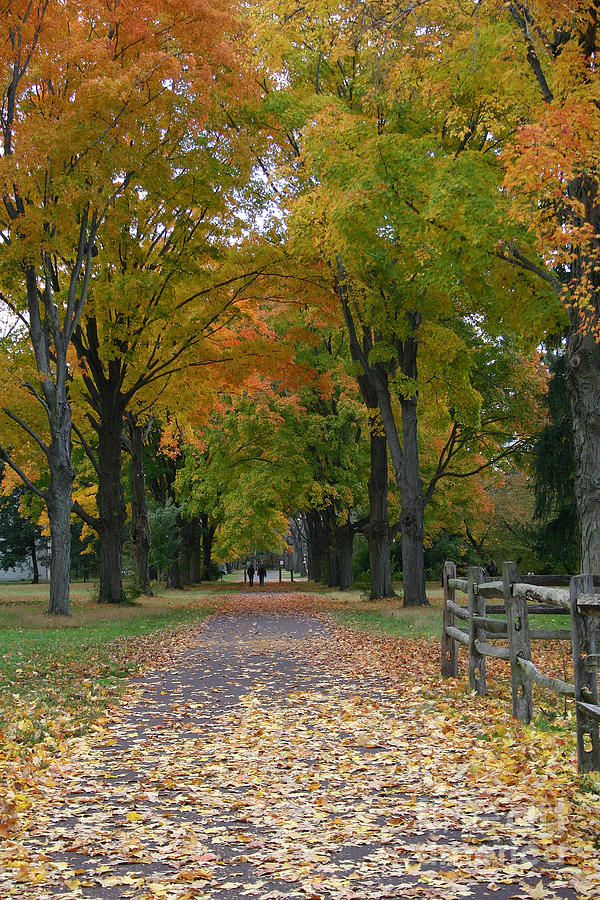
column 541, row 595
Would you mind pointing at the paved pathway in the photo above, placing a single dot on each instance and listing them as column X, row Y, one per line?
column 260, row 765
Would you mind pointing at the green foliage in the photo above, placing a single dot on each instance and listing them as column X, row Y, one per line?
column 448, row 546
column 17, row 533
column 556, row 536
column 131, row 590
column 164, row 536
column 215, row 571
column 360, row 560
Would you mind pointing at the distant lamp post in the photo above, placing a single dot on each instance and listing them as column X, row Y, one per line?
column 280, row 568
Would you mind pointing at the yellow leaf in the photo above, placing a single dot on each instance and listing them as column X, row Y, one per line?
column 133, row 816
column 412, row 868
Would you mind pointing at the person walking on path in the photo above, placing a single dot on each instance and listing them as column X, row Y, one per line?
column 250, row 573
column 261, row 574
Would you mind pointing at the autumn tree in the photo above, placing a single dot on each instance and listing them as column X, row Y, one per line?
column 184, row 324
column 90, row 95
column 231, row 483
column 552, row 173
column 330, row 431
column 394, row 188
column 290, row 446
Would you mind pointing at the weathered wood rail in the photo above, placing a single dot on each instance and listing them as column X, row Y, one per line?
column 538, row 595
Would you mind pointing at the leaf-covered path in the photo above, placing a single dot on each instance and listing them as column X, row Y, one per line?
column 275, row 759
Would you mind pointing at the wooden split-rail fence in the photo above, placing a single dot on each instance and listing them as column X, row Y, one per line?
column 521, row 599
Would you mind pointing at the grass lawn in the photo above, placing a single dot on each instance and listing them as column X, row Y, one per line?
column 57, row 675
column 384, row 616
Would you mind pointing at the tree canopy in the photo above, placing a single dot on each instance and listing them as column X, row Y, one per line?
column 318, row 248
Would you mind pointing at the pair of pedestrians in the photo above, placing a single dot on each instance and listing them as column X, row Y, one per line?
column 261, row 572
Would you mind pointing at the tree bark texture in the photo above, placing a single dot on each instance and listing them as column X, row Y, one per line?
column 208, row 534
column 344, row 540
column 405, row 461
column 110, row 501
column 140, row 527
column 59, row 503
column 333, row 567
column 583, row 385
column 104, row 385
column 174, row 576
column 404, row 452
column 315, row 546
column 378, row 532
column 412, row 518
column 34, row 563
column 192, row 550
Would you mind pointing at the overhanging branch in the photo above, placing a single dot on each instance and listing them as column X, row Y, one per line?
column 4, row 456
column 84, row 516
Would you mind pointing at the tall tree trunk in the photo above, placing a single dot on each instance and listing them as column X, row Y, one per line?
column 315, row 544
column 111, row 503
column 311, row 559
column 34, row 562
column 583, row 385
column 333, row 566
column 377, row 532
column 315, row 568
column 301, row 565
column 344, row 542
column 140, row 527
column 405, row 460
column 412, row 518
column 196, row 553
column 50, row 335
column 404, row 453
column 208, row 533
column 191, row 550
column 174, row 576
column 59, row 503
column 333, row 562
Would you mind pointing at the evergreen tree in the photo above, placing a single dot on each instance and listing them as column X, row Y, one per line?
column 557, row 538
column 19, row 537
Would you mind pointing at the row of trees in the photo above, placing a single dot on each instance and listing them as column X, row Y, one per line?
column 300, row 243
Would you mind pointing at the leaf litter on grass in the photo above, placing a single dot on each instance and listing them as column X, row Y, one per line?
column 305, row 760
column 50, row 693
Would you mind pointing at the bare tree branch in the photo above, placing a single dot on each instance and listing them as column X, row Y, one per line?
column 27, row 481
column 11, row 415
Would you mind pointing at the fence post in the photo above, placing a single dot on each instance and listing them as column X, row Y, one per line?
column 449, row 648
column 583, row 639
column 519, row 644
column 477, row 683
